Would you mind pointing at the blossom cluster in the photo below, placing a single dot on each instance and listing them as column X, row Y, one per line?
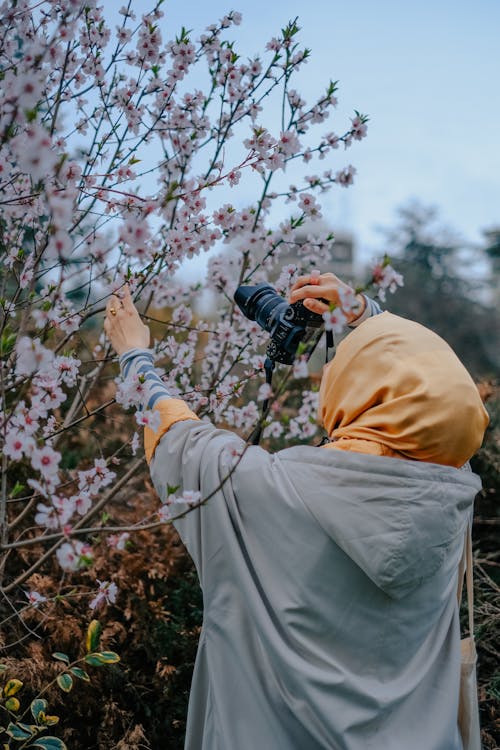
column 114, row 169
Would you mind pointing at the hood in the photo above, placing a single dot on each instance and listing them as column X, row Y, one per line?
column 396, row 519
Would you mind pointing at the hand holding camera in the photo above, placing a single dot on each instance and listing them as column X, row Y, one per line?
column 318, row 291
column 288, row 322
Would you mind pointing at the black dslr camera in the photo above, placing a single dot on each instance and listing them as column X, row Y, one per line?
column 286, row 324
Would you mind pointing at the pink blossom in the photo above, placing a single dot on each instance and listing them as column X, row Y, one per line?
column 289, row 144
column 94, row 479
column 188, row 496
column 106, row 594
column 309, row 429
column 275, row 161
column 335, row 320
column 70, row 323
column 56, row 515
column 46, row 461
column 34, row 598
column 164, row 512
column 134, row 445
column 348, row 300
column 130, row 391
column 118, row 541
column 149, row 418
column 46, row 393
column 26, row 275
column 82, row 502
column 385, row 277
column 274, row 44
column 333, row 140
column 137, row 237
column 265, row 392
column 74, row 555
column 300, row 369
column 309, row 205
column 33, row 149
column 127, row 12
column 234, row 177
column 287, row 277
column 17, row 444
column 59, row 246
column 359, row 128
column 68, row 369
column 32, row 356
column 345, row 177
column 273, row 430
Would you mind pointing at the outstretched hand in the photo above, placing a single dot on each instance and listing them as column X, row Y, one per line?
column 313, row 289
column 122, row 324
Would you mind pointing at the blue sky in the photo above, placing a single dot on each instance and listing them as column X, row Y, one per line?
column 427, row 73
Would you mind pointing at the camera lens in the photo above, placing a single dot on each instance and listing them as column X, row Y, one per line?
column 285, row 323
column 261, row 303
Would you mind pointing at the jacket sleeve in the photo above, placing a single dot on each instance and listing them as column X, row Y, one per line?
column 193, row 455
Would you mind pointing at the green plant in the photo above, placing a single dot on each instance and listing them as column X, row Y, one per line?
column 28, row 734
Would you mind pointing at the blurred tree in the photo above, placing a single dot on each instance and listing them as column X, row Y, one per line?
column 492, row 237
column 444, row 289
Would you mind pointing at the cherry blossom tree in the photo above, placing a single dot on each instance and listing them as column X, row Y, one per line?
column 122, row 154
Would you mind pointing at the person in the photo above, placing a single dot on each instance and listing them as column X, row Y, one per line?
column 329, row 574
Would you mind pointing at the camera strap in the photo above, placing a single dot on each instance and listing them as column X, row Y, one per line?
column 330, row 344
column 269, row 365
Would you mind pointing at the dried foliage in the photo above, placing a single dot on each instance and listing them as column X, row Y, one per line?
column 487, row 573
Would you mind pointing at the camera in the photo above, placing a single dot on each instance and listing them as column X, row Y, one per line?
column 287, row 324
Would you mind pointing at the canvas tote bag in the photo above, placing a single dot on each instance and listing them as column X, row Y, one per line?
column 468, row 706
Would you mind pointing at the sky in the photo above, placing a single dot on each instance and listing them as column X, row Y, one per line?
column 427, row 73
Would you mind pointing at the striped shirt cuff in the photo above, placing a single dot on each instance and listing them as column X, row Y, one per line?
column 140, row 363
column 372, row 308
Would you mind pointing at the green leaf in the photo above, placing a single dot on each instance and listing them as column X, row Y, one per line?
column 49, row 743
column 12, row 704
column 65, row 682
column 17, row 733
column 171, row 490
column 38, row 706
column 47, row 721
column 31, row 728
column 80, row 673
column 102, row 657
column 94, row 660
column 94, row 631
column 3, row 668
column 12, row 687
column 61, row 657
column 17, row 489
column 7, row 342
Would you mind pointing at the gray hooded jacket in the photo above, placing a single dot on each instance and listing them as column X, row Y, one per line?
column 329, row 585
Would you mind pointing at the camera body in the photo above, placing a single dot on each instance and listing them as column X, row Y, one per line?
column 287, row 324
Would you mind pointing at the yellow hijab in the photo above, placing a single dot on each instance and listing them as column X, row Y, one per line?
column 396, row 388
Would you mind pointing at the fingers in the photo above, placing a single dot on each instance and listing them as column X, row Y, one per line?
column 315, row 306
column 310, row 290
column 302, row 281
column 113, row 303
column 128, row 304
